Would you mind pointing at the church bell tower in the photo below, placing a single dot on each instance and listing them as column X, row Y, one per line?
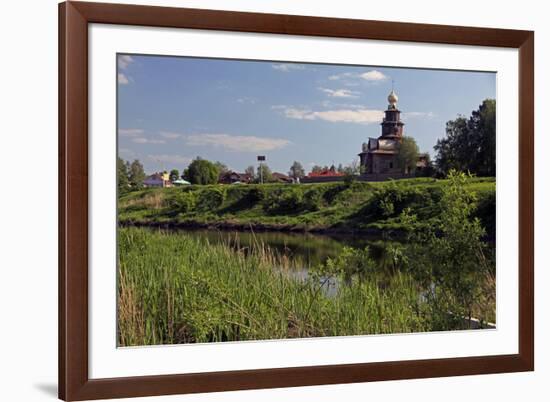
column 392, row 126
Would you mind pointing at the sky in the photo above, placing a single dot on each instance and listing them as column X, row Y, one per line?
column 173, row 109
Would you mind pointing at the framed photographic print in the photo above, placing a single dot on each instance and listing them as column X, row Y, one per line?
column 260, row 200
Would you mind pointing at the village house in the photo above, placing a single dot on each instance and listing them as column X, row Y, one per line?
column 231, row 177
column 158, row 180
column 281, row 178
column 326, row 172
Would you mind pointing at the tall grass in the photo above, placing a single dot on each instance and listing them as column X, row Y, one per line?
column 174, row 288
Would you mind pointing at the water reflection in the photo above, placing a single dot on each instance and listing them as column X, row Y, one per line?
column 305, row 250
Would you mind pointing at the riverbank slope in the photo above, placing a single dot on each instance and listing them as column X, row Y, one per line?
column 328, row 207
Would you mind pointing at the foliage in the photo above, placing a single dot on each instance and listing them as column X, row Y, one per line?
column 183, row 201
column 136, row 175
column 283, row 202
column 201, row 171
column 171, row 291
column 264, row 174
column 356, row 207
column 296, row 170
column 470, row 144
column 256, row 194
column 122, row 176
column 407, row 155
column 349, row 263
column 211, row 199
column 174, row 174
column 450, row 257
column 312, row 200
column 392, row 199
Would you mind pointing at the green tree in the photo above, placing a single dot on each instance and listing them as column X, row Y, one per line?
column 296, row 170
column 201, row 171
column 407, row 155
column 122, row 175
column 470, row 143
column 450, row 258
column 136, row 174
column 264, row 173
column 174, row 174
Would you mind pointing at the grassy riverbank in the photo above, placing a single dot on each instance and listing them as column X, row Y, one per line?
column 344, row 207
column 172, row 291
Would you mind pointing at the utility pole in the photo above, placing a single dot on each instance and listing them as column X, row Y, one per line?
column 260, row 159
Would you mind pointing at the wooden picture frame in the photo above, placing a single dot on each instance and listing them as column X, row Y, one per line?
column 74, row 381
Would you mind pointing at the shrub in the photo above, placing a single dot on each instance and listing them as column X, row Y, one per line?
column 312, row 199
column 391, row 200
column 183, row 202
column 255, row 195
column 450, row 256
column 348, row 263
column 331, row 194
column 210, row 199
column 281, row 202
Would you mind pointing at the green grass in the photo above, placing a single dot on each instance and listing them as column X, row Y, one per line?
column 330, row 206
column 171, row 291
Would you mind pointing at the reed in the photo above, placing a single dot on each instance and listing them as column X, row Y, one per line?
column 174, row 288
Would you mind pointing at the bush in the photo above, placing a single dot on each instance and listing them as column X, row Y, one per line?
column 312, row 200
column 210, row 199
column 389, row 201
column 486, row 212
column 450, row 256
column 183, row 202
column 283, row 201
column 255, row 195
column 331, row 194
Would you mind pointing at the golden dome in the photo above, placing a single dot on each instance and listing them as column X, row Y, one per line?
column 392, row 98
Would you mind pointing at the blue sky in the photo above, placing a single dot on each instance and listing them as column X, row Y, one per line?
column 172, row 109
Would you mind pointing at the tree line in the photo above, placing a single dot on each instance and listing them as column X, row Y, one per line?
column 202, row 171
column 470, row 143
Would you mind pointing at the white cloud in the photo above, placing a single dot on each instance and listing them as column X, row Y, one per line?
column 373, row 75
column 241, row 143
column 170, row 135
column 143, row 140
column 130, row 132
column 340, row 93
column 340, row 76
column 251, row 101
column 175, row 159
column 124, row 61
column 286, row 67
column 351, row 79
column 417, row 115
column 359, row 116
column 123, row 79
column 299, row 114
